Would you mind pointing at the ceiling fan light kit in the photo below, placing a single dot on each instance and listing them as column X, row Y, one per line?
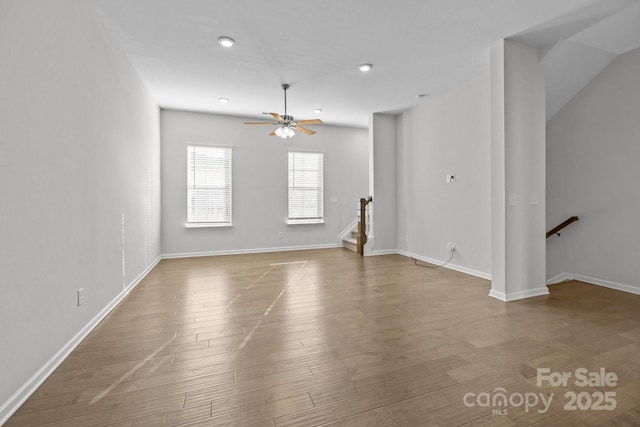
column 287, row 125
column 285, row 132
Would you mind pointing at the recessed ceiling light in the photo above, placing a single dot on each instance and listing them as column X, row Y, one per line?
column 317, row 111
column 365, row 67
column 226, row 41
column 223, row 100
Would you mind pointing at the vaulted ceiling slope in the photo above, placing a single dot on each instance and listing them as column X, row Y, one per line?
column 416, row 47
column 576, row 47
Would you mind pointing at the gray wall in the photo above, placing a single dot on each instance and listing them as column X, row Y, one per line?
column 447, row 133
column 79, row 148
column 593, row 148
column 498, row 170
column 518, row 172
column 383, row 183
column 259, row 184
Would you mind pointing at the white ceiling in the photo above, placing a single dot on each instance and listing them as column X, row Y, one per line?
column 416, row 46
column 577, row 46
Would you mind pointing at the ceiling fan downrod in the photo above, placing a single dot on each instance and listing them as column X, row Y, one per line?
column 285, row 86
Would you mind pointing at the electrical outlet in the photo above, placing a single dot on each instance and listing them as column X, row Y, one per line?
column 451, row 246
column 451, row 178
column 80, row 296
column 280, row 235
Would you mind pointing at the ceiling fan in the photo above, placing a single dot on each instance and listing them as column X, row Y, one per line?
column 286, row 124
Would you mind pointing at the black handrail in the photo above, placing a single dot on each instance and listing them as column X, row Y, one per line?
column 557, row 228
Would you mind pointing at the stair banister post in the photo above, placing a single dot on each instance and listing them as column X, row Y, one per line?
column 362, row 224
column 361, row 228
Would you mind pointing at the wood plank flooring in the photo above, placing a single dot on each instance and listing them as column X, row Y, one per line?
column 324, row 337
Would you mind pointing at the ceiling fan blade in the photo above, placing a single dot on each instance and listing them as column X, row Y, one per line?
column 273, row 133
column 259, row 123
column 277, row 116
column 309, row 122
column 304, row 130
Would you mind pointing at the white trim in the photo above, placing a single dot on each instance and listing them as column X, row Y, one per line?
column 347, row 231
column 228, row 169
column 247, row 251
column 382, row 252
column 208, row 225
column 562, row 277
column 598, row 282
column 449, row 266
column 12, row 404
column 498, row 295
column 306, row 150
column 513, row 296
column 305, row 221
column 295, row 161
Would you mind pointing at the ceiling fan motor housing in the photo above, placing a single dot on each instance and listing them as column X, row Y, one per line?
column 287, row 119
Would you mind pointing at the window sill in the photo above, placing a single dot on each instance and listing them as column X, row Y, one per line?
column 304, row 221
column 206, row 225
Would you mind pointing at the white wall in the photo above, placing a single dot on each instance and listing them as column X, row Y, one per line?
column 518, row 172
column 447, row 133
column 259, row 184
column 79, row 148
column 593, row 148
column 498, row 171
column 383, row 183
column 518, row 147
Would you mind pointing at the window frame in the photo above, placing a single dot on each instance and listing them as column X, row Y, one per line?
column 305, row 220
column 228, row 170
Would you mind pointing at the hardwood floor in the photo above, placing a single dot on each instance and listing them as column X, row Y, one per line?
column 324, row 337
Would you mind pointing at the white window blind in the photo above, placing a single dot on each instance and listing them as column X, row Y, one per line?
column 306, row 192
column 208, row 185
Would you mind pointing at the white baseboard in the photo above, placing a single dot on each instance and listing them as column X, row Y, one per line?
column 514, row 296
column 562, row 277
column 498, row 295
column 450, row 266
column 595, row 281
column 382, row 252
column 9, row 407
column 247, row 251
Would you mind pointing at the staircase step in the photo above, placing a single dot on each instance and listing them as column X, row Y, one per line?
column 351, row 244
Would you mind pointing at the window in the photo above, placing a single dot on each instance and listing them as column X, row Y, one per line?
column 305, row 187
column 208, row 186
